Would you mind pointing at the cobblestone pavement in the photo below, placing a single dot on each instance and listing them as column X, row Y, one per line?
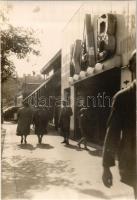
column 54, row 171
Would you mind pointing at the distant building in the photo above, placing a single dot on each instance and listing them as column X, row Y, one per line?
column 19, row 100
column 30, row 83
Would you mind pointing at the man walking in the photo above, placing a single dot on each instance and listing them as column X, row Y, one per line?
column 121, row 134
column 83, row 120
column 64, row 121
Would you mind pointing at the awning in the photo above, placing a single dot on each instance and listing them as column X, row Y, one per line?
column 107, row 65
column 51, row 62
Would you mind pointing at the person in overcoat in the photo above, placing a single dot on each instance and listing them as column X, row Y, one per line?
column 83, row 120
column 40, row 121
column 120, row 139
column 25, row 116
column 64, row 121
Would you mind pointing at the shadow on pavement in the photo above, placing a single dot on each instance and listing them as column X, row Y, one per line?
column 96, row 152
column 26, row 146
column 31, row 175
column 44, row 146
column 95, row 193
column 71, row 146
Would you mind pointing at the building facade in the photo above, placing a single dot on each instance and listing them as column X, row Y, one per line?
column 30, row 83
column 97, row 43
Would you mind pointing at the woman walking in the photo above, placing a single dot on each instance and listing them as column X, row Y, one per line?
column 24, row 122
column 40, row 120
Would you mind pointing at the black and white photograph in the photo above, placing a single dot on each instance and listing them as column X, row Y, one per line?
column 68, row 100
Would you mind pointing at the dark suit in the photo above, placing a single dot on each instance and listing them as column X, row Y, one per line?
column 121, row 135
column 41, row 119
column 64, row 121
column 25, row 116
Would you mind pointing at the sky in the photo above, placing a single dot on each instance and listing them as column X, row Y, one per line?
column 48, row 19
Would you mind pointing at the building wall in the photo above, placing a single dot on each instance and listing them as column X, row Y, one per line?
column 125, row 36
column 19, row 100
column 30, row 83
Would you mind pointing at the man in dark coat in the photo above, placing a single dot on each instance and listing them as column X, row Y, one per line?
column 40, row 120
column 64, row 121
column 56, row 116
column 25, row 116
column 121, row 135
column 83, row 119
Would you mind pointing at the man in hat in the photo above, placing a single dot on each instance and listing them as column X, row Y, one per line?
column 64, row 121
column 121, row 134
column 83, row 117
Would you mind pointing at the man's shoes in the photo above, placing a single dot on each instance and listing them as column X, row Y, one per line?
column 79, row 146
column 86, row 148
column 21, row 141
column 39, row 140
column 63, row 141
column 67, row 142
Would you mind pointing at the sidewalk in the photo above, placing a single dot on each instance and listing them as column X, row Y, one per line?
column 90, row 144
column 54, row 171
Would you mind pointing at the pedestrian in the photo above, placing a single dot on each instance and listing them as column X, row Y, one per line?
column 56, row 115
column 64, row 121
column 40, row 120
column 83, row 118
column 121, row 134
column 25, row 116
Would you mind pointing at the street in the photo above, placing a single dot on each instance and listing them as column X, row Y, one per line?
column 54, row 171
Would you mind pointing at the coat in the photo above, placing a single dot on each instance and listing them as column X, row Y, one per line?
column 121, row 135
column 64, row 119
column 25, row 116
column 83, row 122
column 40, row 120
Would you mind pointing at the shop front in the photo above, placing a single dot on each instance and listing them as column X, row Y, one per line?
column 95, row 54
column 95, row 93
